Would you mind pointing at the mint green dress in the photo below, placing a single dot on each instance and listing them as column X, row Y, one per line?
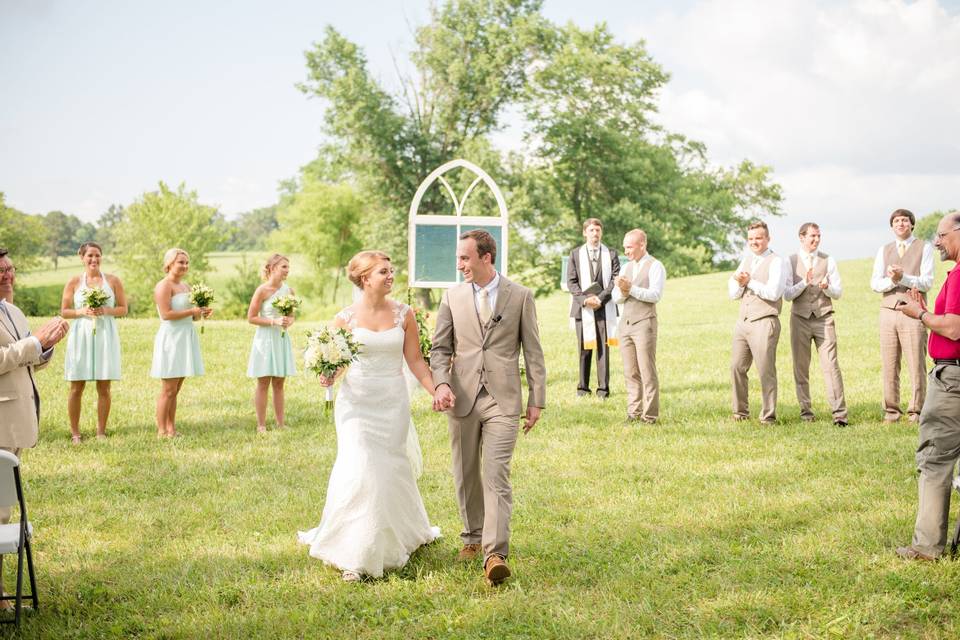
column 271, row 354
column 176, row 349
column 88, row 356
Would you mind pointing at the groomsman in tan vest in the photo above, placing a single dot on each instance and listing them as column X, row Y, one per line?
column 902, row 265
column 758, row 283
column 639, row 289
column 813, row 285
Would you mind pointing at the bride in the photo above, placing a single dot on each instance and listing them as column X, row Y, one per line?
column 374, row 517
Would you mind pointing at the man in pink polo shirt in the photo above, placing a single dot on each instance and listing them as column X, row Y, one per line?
column 940, row 419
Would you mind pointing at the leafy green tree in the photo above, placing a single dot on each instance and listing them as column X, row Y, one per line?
column 24, row 236
column 240, row 289
column 62, row 230
column 106, row 225
column 155, row 222
column 470, row 62
column 249, row 231
column 322, row 221
column 926, row 226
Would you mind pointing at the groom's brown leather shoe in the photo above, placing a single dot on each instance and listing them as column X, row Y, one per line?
column 469, row 552
column 496, row 570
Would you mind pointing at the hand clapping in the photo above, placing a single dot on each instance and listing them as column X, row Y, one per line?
column 52, row 332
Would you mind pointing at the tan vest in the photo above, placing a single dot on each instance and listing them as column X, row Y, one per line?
column 910, row 263
column 752, row 306
column 634, row 309
column 812, row 301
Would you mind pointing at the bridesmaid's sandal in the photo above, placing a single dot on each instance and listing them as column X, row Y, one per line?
column 261, row 428
column 76, row 439
column 101, row 435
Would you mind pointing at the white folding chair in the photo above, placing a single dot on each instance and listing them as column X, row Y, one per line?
column 15, row 536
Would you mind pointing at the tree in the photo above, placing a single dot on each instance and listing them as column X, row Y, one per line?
column 250, row 230
column 157, row 221
column 106, row 225
column 321, row 221
column 470, row 61
column 22, row 235
column 926, row 226
column 61, row 235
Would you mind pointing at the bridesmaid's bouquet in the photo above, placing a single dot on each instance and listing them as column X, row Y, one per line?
column 286, row 306
column 329, row 350
column 94, row 297
column 201, row 295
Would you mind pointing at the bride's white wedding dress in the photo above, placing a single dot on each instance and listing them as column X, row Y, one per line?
column 374, row 517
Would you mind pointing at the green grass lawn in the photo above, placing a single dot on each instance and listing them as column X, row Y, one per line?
column 696, row 527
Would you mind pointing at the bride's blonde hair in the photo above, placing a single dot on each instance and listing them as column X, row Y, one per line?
column 363, row 264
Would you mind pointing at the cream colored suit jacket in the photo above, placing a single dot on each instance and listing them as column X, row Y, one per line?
column 19, row 358
column 464, row 354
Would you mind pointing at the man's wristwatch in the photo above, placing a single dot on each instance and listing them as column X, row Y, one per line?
column 922, row 313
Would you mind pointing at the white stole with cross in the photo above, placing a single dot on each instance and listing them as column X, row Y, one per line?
column 589, row 322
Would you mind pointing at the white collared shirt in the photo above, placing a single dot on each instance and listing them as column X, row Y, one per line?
column 772, row 289
column 492, row 288
column 6, row 314
column 881, row 282
column 834, row 289
column 656, row 277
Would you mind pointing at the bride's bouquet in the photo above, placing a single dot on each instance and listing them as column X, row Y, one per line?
column 286, row 306
column 201, row 295
column 329, row 350
column 94, row 297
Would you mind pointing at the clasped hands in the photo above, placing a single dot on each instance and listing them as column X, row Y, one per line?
column 823, row 284
column 443, row 399
column 895, row 272
column 202, row 312
column 52, row 332
column 283, row 321
column 624, row 285
column 92, row 312
column 593, row 302
column 914, row 307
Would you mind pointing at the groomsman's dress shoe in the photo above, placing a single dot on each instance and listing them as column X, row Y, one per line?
column 581, row 393
column 496, row 570
column 629, row 420
column 469, row 552
column 739, row 418
column 909, row 553
column 840, row 422
column 807, row 418
column 768, row 423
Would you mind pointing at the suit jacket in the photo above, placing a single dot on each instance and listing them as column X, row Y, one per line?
column 19, row 402
column 576, row 287
column 465, row 355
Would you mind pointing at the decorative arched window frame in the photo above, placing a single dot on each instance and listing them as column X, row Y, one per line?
column 459, row 221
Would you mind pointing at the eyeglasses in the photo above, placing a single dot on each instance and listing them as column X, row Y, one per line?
column 5, row 270
column 941, row 236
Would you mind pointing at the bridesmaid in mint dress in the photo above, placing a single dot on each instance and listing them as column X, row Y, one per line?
column 176, row 349
column 271, row 357
column 89, row 356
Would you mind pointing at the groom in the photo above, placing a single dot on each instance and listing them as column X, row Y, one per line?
column 481, row 326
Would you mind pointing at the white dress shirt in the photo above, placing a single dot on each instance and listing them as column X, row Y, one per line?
column 772, row 289
column 834, row 289
column 34, row 339
column 881, row 282
column 656, row 277
column 492, row 287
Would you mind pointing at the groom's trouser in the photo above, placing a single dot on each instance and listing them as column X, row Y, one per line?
column 482, row 443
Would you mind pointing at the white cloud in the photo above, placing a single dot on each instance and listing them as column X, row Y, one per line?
column 855, row 105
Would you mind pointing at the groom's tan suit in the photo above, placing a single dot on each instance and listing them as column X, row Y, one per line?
column 481, row 365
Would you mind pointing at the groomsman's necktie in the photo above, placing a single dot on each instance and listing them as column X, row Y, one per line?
column 901, row 248
column 483, row 309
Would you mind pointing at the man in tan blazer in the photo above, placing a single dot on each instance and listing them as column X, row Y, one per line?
column 639, row 289
column 902, row 265
column 758, row 283
column 20, row 355
column 482, row 325
column 813, row 285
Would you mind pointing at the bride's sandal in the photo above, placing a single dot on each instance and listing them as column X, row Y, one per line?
column 350, row 576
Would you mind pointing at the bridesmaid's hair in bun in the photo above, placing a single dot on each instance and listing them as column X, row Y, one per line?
column 171, row 256
column 86, row 245
column 363, row 264
column 272, row 261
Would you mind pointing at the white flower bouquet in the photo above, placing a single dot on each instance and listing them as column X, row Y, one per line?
column 286, row 306
column 94, row 298
column 328, row 351
column 201, row 295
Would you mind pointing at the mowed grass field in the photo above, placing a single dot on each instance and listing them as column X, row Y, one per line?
column 696, row 527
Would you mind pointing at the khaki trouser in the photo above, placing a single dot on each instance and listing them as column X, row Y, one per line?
column 936, row 457
column 755, row 341
column 482, row 444
column 639, row 352
column 5, row 511
column 823, row 333
column 900, row 334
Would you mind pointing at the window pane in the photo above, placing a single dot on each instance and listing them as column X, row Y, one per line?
column 436, row 258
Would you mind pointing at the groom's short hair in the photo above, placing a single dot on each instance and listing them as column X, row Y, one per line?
column 485, row 242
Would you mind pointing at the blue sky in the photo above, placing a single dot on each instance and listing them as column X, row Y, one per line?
column 853, row 104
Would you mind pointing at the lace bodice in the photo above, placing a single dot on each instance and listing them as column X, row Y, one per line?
column 381, row 352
